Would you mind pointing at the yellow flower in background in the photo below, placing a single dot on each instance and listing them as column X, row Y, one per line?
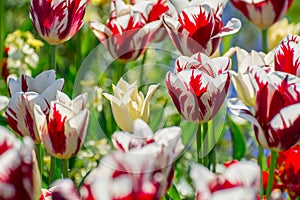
column 281, row 29
column 129, row 104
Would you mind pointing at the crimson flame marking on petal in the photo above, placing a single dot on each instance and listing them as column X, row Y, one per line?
column 56, row 129
column 196, row 85
column 24, row 83
column 29, row 121
column 285, row 61
column 221, row 183
column 4, row 147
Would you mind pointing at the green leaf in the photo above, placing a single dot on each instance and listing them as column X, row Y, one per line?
column 238, row 140
column 188, row 132
column 173, row 193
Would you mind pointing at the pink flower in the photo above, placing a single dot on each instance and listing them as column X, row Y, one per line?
column 19, row 176
column 238, row 181
column 263, row 13
column 199, row 85
column 57, row 21
column 25, row 92
column 63, row 130
column 143, row 168
column 287, row 55
column 127, row 33
column 277, row 110
column 197, row 26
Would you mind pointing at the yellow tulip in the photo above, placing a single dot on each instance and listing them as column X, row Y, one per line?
column 129, row 104
column 279, row 30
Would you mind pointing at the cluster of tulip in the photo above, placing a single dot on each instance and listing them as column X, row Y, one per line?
column 143, row 163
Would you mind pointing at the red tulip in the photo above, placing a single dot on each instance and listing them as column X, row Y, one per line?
column 25, row 92
column 263, row 13
column 197, row 27
column 57, row 21
column 199, row 85
column 19, row 177
column 63, row 130
column 126, row 34
column 277, row 110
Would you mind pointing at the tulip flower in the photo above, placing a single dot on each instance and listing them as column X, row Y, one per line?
column 287, row 55
column 239, row 181
column 276, row 119
column 288, row 171
column 127, row 33
column 143, row 136
column 63, row 130
column 19, row 176
column 241, row 81
column 128, row 104
column 197, row 26
column 57, row 21
column 280, row 30
column 198, row 86
column 25, row 92
column 263, row 13
column 140, row 173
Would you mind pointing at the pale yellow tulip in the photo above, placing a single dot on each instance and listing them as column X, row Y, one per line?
column 129, row 104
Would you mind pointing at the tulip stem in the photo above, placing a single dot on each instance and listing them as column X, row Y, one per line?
column 118, row 72
column 259, row 160
column 264, row 38
column 39, row 157
column 274, row 156
column 53, row 57
column 142, row 67
column 199, row 138
column 2, row 29
column 52, row 175
column 65, row 168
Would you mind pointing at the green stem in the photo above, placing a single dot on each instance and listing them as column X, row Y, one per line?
column 142, row 67
column 65, row 168
column 271, row 173
column 264, row 36
column 39, row 157
column 119, row 70
column 259, row 160
column 198, row 142
column 52, row 175
column 53, row 57
column 204, row 133
column 2, row 29
column 78, row 49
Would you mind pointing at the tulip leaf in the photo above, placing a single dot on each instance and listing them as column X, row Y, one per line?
column 173, row 193
column 238, row 140
column 188, row 132
column 156, row 120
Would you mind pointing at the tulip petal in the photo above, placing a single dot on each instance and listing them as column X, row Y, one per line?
column 146, row 104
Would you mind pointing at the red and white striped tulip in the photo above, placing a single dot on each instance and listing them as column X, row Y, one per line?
column 263, row 13
column 142, row 173
column 25, row 92
column 287, row 55
column 199, row 86
column 239, row 181
column 197, row 26
column 142, row 136
column 19, row 176
column 277, row 110
column 63, row 130
column 127, row 33
column 57, row 21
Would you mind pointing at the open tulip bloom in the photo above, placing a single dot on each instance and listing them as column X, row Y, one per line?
column 57, row 21
column 126, row 34
column 263, row 13
column 25, row 92
column 63, row 130
column 197, row 26
column 199, row 86
column 276, row 120
column 239, row 181
column 129, row 104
